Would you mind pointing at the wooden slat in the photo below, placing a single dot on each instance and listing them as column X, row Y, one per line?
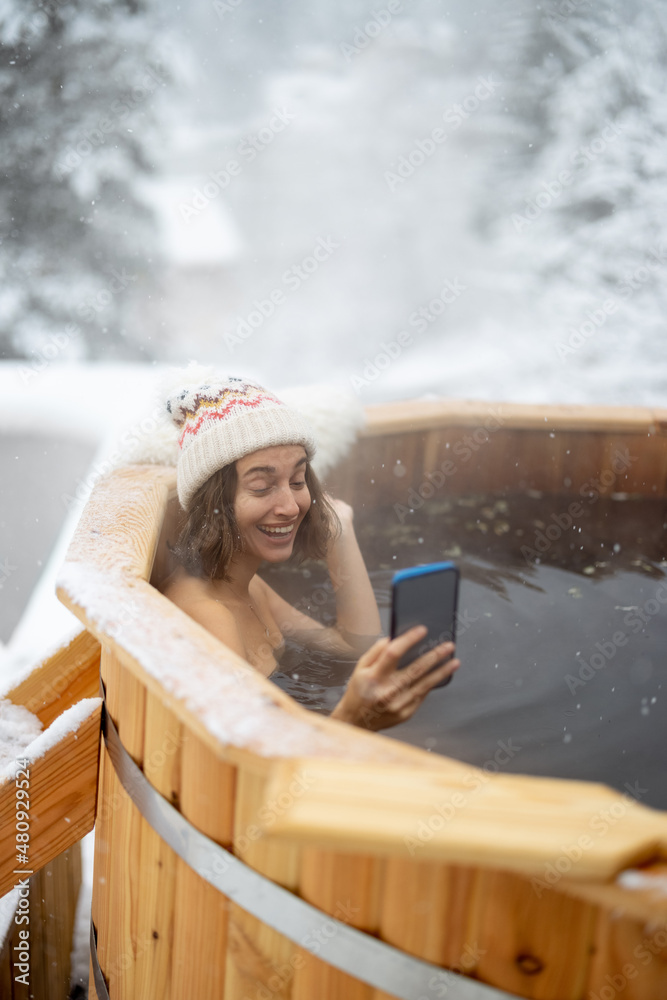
column 52, row 903
column 207, row 791
column 412, row 415
column 629, row 960
column 504, row 821
column 162, row 929
column 6, row 977
column 117, row 872
column 349, row 887
column 530, row 945
column 257, row 956
column 54, row 895
column 154, row 913
column 63, row 786
column 429, row 910
column 65, row 677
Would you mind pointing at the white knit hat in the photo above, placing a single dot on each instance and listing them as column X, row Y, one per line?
column 224, row 419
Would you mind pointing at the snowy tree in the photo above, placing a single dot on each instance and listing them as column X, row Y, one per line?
column 78, row 84
column 580, row 190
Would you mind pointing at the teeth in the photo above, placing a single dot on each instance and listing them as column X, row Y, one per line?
column 277, row 531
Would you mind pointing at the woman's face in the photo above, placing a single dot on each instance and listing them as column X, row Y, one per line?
column 272, row 499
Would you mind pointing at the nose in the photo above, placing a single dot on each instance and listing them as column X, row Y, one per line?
column 286, row 505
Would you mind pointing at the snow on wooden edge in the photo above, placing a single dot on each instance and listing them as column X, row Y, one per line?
column 640, row 881
column 69, row 722
column 232, row 701
column 8, row 905
column 57, row 645
column 18, row 728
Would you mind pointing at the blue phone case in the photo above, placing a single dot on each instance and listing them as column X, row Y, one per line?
column 402, row 620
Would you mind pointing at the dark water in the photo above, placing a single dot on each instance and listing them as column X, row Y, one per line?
column 563, row 651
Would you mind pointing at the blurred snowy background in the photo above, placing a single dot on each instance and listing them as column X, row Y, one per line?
column 283, row 189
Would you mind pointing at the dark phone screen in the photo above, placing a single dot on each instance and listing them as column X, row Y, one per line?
column 425, row 595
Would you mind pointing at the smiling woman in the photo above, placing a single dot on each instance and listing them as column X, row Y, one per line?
column 250, row 497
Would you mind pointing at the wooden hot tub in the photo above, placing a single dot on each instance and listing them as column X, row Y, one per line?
column 323, row 809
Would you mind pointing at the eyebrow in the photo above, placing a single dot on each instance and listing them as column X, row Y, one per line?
column 271, row 469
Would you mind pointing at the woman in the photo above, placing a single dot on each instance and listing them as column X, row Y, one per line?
column 250, row 496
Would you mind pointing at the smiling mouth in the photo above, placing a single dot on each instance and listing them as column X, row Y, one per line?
column 273, row 532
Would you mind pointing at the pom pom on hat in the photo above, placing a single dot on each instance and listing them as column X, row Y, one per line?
column 220, row 419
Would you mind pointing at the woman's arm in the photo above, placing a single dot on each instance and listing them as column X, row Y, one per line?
column 357, row 615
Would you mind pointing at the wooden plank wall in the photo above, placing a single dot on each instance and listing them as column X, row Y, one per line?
column 160, row 924
column 54, row 893
column 453, row 448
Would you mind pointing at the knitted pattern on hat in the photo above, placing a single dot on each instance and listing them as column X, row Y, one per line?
column 224, row 419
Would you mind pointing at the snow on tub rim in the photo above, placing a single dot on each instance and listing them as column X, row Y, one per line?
column 504, row 891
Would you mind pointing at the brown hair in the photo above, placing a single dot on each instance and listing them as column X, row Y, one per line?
column 210, row 536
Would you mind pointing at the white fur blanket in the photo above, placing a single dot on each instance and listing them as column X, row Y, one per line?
column 334, row 413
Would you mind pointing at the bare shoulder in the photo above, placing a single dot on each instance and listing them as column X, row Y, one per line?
column 195, row 598
column 184, row 589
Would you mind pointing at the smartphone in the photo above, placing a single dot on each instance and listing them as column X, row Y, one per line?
column 425, row 595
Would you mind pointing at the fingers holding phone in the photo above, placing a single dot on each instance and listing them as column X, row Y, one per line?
column 433, row 668
column 381, row 694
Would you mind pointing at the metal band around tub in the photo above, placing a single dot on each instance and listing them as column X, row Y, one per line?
column 98, row 978
column 352, row 951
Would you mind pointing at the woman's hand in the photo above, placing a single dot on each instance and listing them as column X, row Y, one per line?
column 379, row 695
